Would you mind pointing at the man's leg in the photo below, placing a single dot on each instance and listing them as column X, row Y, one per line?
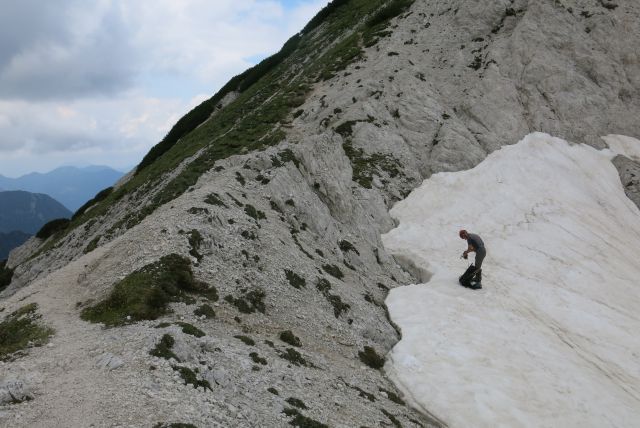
column 480, row 254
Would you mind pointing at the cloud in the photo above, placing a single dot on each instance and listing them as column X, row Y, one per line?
column 105, row 80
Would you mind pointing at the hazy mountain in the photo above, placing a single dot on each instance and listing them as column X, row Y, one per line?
column 69, row 185
column 28, row 212
column 11, row 240
column 242, row 273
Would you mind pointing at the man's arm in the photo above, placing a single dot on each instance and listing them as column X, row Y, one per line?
column 469, row 250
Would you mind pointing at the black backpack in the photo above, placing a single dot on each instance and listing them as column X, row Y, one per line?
column 467, row 276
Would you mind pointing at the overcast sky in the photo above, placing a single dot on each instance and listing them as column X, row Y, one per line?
column 101, row 81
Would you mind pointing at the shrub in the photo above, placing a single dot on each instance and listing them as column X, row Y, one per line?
column 21, row 330
column 189, row 377
column 296, row 402
column 191, row 329
column 295, row 280
column 290, row 338
column 146, row 293
column 333, row 270
column 214, row 199
column 347, row 246
column 54, row 226
column 206, row 311
column 258, row 359
column 252, row 212
column 294, row 357
column 246, row 340
column 370, row 357
column 195, row 240
column 163, row 348
column 249, row 302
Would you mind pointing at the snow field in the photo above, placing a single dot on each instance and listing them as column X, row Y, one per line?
column 553, row 338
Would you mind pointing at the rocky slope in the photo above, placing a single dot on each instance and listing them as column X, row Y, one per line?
column 279, row 199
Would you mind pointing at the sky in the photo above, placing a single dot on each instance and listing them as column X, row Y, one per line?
column 100, row 82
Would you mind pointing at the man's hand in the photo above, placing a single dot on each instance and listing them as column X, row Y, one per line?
column 465, row 254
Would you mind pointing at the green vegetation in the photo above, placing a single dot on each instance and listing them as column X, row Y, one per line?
column 324, row 286
column 5, row 275
column 93, row 244
column 301, row 421
column 370, row 357
column 195, row 240
column 294, row 357
column 146, row 293
column 257, row 358
column 191, row 329
column 163, row 348
column 205, row 310
column 393, row 396
column 392, row 418
column 246, row 340
column 290, row 338
column 249, row 302
column 333, row 270
column 347, row 246
column 273, row 391
column 252, row 212
column 295, row 280
column 296, row 402
column 267, row 96
column 189, row 377
column 52, row 227
column 101, row 195
column 214, row 199
column 20, row 330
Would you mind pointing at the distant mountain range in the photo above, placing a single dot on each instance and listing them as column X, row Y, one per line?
column 69, row 185
column 28, row 212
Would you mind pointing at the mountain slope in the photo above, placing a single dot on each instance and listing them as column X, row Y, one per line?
column 279, row 198
column 550, row 339
column 70, row 185
column 28, row 212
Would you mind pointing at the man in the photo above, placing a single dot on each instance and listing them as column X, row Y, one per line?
column 476, row 245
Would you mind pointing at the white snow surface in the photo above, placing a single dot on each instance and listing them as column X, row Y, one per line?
column 553, row 338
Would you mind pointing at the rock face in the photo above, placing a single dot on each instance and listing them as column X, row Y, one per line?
column 437, row 89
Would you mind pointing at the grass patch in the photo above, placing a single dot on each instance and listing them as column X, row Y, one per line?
column 393, row 396
column 301, row 421
column 290, row 338
column 163, row 348
column 206, row 311
column 191, row 329
column 146, row 293
column 189, row 377
column 21, row 330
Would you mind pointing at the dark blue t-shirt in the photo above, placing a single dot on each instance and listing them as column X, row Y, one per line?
column 475, row 241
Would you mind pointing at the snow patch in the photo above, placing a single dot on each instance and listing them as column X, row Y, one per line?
column 625, row 146
column 552, row 338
